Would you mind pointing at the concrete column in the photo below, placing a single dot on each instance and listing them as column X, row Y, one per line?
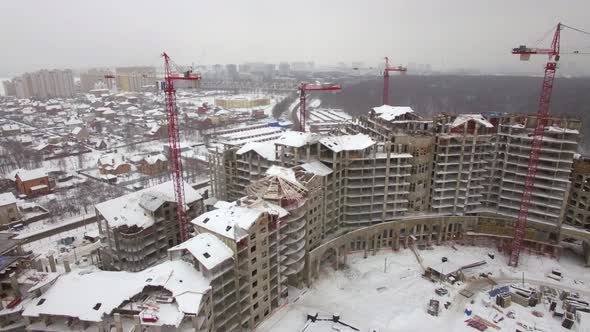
column 14, row 285
column 51, row 263
column 346, row 251
column 365, row 247
column 118, row 323
column 101, row 327
column 67, row 266
column 374, row 245
column 38, row 265
column 137, row 323
column 396, row 241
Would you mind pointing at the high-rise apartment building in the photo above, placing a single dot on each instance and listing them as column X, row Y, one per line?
column 43, row 84
column 135, row 78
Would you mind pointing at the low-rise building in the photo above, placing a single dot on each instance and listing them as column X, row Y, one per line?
column 8, row 209
column 32, row 182
column 81, row 134
column 113, row 164
column 152, row 165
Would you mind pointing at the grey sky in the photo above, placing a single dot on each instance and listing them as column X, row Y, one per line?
column 447, row 34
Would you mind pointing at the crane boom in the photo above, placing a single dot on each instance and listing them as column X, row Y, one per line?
column 174, row 142
column 303, row 87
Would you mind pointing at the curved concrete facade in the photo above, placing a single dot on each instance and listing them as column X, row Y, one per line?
column 428, row 230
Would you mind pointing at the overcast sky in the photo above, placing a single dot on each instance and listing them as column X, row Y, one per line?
column 475, row 34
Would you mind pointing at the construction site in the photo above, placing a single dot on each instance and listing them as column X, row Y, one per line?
column 391, row 221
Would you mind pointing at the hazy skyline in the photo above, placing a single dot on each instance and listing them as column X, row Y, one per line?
column 446, row 34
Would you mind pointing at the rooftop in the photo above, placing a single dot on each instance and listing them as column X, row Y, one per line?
column 297, row 139
column 104, row 291
column 207, row 249
column 132, row 209
column 347, row 142
column 264, row 149
column 390, row 113
column 27, row 175
column 7, row 198
column 462, row 118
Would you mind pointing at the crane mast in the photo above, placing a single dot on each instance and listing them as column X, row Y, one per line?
column 386, row 71
column 537, row 136
column 174, row 141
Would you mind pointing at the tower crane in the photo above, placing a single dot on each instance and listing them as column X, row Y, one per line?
column 386, row 71
column 303, row 88
column 171, row 75
column 537, row 135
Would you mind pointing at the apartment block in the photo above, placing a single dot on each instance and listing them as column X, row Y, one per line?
column 578, row 205
column 135, row 78
column 511, row 163
column 463, row 150
column 250, row 228
column 171, row 296
column 402, row 126
column 137, row 229
column 44, row 84
column 95, row 78
column 300, row 194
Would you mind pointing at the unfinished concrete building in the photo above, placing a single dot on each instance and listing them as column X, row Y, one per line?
column 138, row 229
column 400, row 125
column 216, row 262
column 510, row 165
column 463, row 150
column 578, row 205
column 299, row 193
column 249, row 227
column 171, row 296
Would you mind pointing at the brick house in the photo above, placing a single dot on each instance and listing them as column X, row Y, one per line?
column 113, row 164
column 153, row 165
column 33, row 182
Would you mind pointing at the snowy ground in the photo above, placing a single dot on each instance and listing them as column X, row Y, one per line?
column 367, row 298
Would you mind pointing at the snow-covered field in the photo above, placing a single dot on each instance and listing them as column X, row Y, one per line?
column 386, row 292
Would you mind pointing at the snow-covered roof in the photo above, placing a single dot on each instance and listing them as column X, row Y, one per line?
column 264, row 149
column 111, row 159
column 282, row 172
column 207, row 249
column 462, row 118
column 155, row 158
column 317, row 167
column 347, row 142
column 297, row 139
column 132, row 209
column 390, row 113
column 76, row 130
column 77, row 294
column 7, row 198
column 31, row 174
column 231, row 221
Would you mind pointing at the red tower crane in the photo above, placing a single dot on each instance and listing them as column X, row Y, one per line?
column 542, row 113
column 174, row 138
column 386, row 71
column 303, row 87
